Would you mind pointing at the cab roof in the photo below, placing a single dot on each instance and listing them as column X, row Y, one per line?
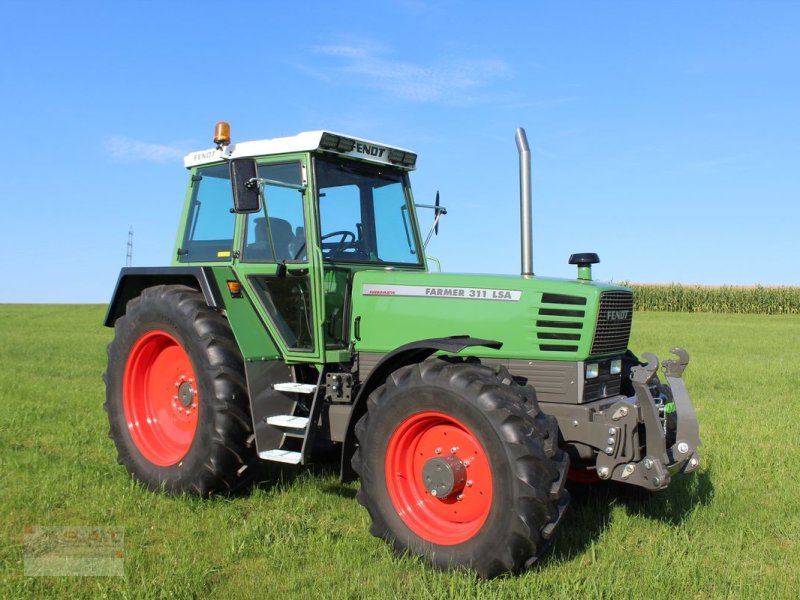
column 324, row 141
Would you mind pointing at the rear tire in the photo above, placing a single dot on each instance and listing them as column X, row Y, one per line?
column 502, row 490
column 176, row 395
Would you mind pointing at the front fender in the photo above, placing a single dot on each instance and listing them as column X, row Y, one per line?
column 408, row 354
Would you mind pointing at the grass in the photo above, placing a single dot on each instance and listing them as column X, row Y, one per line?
column 730, row 531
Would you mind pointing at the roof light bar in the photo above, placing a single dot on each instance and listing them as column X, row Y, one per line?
column 399, row 157
column 338, row 143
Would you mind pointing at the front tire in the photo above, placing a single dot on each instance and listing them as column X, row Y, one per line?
column 176, row 396
column 458, row 465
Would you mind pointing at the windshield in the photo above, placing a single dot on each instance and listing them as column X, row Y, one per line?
column 364, row 213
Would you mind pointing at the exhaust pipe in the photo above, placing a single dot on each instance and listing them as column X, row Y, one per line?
column 525, row 204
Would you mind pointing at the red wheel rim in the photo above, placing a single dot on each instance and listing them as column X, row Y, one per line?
column 159, row 397
column 441, row 520
column 579, row 475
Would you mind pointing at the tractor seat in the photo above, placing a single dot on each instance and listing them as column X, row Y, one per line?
column 282, row 237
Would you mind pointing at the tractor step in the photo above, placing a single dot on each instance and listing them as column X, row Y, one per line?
column 288, row 421
column 283, row 456
column 297, row 388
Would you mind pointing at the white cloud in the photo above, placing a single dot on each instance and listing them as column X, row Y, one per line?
column 453, row 81
column 124, row 148
column 344, row 51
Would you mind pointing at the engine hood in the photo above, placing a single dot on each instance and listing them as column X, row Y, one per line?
column 534, row 317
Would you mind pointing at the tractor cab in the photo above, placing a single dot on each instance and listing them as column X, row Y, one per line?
column 295, row 218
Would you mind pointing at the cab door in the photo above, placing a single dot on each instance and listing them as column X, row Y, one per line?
column 276, row 264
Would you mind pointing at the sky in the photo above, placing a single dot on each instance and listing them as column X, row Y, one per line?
column 665, row 136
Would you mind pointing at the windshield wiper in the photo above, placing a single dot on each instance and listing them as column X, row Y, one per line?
column 404, row 212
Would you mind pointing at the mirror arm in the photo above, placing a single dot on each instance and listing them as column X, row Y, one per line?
column 439, row 213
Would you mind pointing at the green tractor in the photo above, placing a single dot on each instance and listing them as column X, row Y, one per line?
column 299, row 312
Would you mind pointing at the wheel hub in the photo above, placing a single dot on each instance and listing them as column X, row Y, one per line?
column 186, row 393
column 444, row 476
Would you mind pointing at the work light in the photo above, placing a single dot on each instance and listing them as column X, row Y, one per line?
column 592, row 370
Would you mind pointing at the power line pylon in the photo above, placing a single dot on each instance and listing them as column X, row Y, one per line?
column 129, row 257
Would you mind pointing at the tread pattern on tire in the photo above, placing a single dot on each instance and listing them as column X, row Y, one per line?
column 223, row 450
column 530, row 438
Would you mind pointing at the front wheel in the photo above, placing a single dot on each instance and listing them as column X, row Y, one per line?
column 457, row 464
column 176, row 396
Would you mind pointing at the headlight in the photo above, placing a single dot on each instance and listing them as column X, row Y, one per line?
column 592, row 370
column 616, row 367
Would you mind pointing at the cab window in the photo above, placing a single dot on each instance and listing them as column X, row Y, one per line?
column 277, row 233
column 209, row 228
column 364, row 214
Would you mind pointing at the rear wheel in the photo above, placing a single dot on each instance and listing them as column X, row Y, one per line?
column 175, row 394
column 457, row 464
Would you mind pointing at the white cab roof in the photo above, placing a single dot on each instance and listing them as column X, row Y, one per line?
column 302, row 142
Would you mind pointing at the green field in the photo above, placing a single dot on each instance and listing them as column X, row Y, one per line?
column 730, row 531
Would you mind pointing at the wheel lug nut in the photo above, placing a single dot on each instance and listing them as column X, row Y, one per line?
column 433, row 493
column 454, row 449
column 438, row 451
column 469, row 482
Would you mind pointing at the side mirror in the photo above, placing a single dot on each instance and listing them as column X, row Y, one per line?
column 244, row 181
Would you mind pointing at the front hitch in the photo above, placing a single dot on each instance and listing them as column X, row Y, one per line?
column 642, row 437
column 654, row 470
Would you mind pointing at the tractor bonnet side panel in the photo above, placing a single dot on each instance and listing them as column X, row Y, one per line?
column 541, row 318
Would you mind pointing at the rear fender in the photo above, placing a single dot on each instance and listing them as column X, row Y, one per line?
column 132, row 280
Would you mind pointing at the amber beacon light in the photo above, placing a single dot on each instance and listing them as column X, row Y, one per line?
column 222, row 134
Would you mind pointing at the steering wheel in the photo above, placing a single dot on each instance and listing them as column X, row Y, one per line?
column 343, row 242
column 347, row 239
column 336, row 247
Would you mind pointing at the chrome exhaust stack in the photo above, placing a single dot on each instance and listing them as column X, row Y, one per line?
column 525, row 203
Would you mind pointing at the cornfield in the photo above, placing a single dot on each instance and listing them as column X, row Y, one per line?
column 783, row 300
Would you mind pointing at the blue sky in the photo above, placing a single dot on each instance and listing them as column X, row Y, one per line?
column 665, row 136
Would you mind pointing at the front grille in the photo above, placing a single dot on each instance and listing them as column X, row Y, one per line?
column 613, row 323
column 560, row 334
